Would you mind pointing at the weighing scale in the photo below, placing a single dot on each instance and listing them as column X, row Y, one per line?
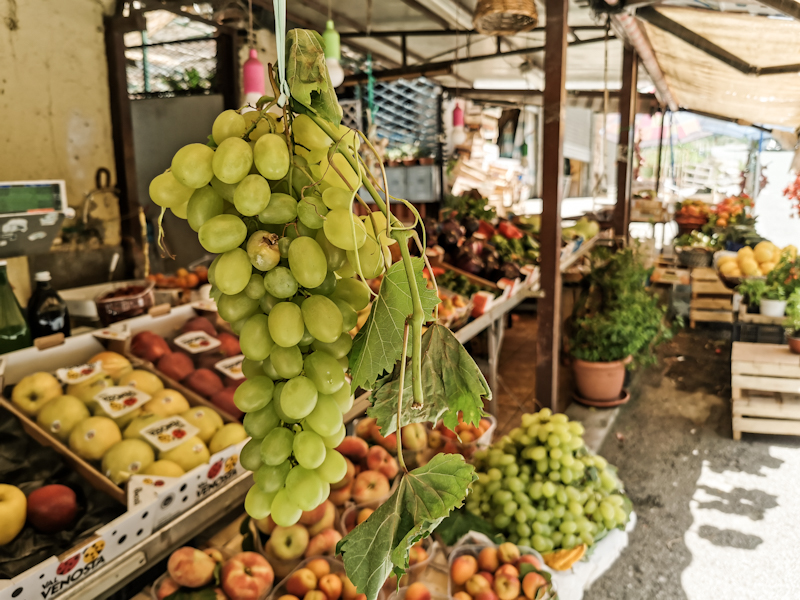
column 31, row 214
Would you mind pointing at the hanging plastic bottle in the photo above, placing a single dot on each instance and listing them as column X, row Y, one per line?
column 14, row 332
column 47, row 312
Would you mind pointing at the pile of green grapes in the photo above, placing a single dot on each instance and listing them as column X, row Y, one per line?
column 542, row 488
column 274, row 201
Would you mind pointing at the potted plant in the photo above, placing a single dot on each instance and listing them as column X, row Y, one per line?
column 752, row 290
column 410, row 152
column 616, row 321
column 792, row 322
column 773, row 301
column 393, row 157
column 427, row 156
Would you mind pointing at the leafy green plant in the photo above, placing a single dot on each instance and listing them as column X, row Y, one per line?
column 792, row 321
column 615, row 315
column 752, row 290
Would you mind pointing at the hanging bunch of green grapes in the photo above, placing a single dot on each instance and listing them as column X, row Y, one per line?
column 273, row 200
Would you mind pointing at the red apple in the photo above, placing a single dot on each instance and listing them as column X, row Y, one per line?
column 230, row 344
column 176, row 365
column 379, row 459
column 323, row 544
column 190, row 567
column 370, row 486
column 301, row 582
column 247, row 576
column 353, row 448
column 207, row 360
column 224, row 400
column 506, row 588
column 149, row 346
column 331, row 586
column 418, row 591
column 320, row 567
column 326, row 521
column 415, row 436
column 477, row 584
column 464, row 567
column 531, row 584
column 364, row 428
column 52, row 508
column 530, row 559
column 199, row 324
column 167, row 587
column 488, row 559
column 508, row 552
column 204, row 382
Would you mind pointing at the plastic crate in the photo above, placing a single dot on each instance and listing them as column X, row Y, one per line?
column 757, row 333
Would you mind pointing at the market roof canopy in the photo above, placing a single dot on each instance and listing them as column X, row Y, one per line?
column 702, row 82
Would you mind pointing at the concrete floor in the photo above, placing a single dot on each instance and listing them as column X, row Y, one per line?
column 717, row 518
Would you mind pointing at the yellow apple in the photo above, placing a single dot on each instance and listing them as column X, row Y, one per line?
column 61, row 415
column 91, row 439
column 13, row 509
column 34, row 391
column 230, row 434
column 142, row 380
column 190, row 454
column 163, row 468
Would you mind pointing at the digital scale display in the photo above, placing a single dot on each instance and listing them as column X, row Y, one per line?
column 26, row 197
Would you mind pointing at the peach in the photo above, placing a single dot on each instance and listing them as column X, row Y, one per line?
column 488, row 595
column 190, row 567
column 349, row 475
column 370, row 486
column 315, row 595
column 168, row 587
column 506, row 588
column 487, row 576
column 331, row 586
column 477, row 584
column 529, row 559
column 320, row 567
column 309, row 517
column 323, row 543
column 363, row 515
column 379, row 459
column 341, row 495
column 417, row 554
column 246, row 576
column 266, row 525
column 508, row 552
column 364, row 427
column 389, row 442
column 215, row 554
column 435, row 439
column 467, row 437
column 415, row 436
column 462, row 596
column 288, row 597
column 531, row 584
column 488, row 559
column 325, row 521
column 301, row 582
column 464, row 567
column 508, row 570
column 353, row 448
column 418, row 591
column 348, row 588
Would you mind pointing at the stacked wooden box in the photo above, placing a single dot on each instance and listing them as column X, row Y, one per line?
column 711, row 300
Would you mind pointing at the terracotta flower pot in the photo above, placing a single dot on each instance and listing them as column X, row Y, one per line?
column 794, row 344
column 599, row 381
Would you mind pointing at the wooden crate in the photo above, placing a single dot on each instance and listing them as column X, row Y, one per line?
column 746, row 317
column 711, row 300
column 765, row 388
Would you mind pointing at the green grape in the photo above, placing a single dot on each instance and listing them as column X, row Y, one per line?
column 225, row 190
column 339, row 174
column 495, row 474
column 268, row 302
column 539, row 543
column 259, row 423
column 569, row 542
column 607, row 510
column 333, row 468
column 600, row 462
column 280, row 283
column 590, row 506
column 556, row 453
column 250, row 457
column 554, row 465
column 263, row 124
column 548, row 489
column 270, row 372
column 271, row 156
column 514, row 484
column 542, row 466
column 236, row 307
column 520, row 516
column 258, row 503
column 270, row 478
column 232, row 160
column 344, row 230
column 298, row 398
column 287, row 362
column 509, row 508
column 501, row 497
column 311, row 211
column 324, row 371
column 561, row 495
column 307, row 338
column 566, row 475
column 307, row 262
column 222, row 233
column 575, row 428
column 568, row 527
column 511, row 470
column 277, row 446
column 285, row 511
column 255, row 287
column 309, row 449
column 501, row 521
column 283, row 246
column 204, row 204
column 305, row 487
column 308, row 136
column 252, row 195
column 228, row 124
column 334, row 257
column 327, row 286
column 166, row 191
column 376, row 217
column 587, row 538
column 255, row 340
column 303, row 230
column 191, row 165
column 559, row 511
column 620, row 517
column 251, row 368
column 322, row 318
column 254, row 394
column 349, row 315
column 343, row 398
column 333, row 441
column 523, row 530
column 326, row 418
column 371, row 259
column 535, row 490
column 286, row 324
column 354, row 292
column 346, row 271
column 608, row 481
column 567, row 460
column 282, row 208
column 339, row 348
column 554, row 476
column 335, row 197
column 181, row 211
column 233, row 272
column 493, row 487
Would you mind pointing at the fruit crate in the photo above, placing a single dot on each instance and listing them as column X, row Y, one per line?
column 336, row 567
column 711, row 300
column 765, row 389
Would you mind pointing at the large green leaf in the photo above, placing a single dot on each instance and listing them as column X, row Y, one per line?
column 379, row 344
column 379, row 546
column 307, row 75
column 451, row 382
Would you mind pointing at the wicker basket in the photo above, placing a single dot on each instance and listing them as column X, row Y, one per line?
column 694, row 257
column 505, row 17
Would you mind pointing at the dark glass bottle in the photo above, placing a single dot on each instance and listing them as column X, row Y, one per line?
column 14, row 332
column 47, row 312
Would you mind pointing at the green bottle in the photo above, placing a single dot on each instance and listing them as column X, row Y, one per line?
column 14, row 332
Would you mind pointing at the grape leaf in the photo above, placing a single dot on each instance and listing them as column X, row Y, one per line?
column 460, row 522
column 379, row 546
column 451, row 382
column 379, row 344
column 307, row 75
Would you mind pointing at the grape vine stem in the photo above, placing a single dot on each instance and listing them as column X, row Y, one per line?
column 400, row 459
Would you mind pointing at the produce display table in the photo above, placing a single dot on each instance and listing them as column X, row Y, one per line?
column 765, row 387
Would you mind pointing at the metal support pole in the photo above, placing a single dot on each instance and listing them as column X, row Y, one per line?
column 660, row 148
column 549, row 310
column 404, row 50
column 627, row 119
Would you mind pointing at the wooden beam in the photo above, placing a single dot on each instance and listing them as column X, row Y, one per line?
column 122, row 135
column 627, row 120
column 549, row 307
column 788, row 7
column 422, row 9
column 448, row 32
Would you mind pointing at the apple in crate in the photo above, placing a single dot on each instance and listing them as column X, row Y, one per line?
column 204, row 382
column 13, row 506
column 301, row 582
column 230, row 344
column 149, row 346
column 61, row 415
column 113, row 363
column 488, row 559
column 331, row 586
column 379, row 459
column 247, row 576
column 325, row 521
column 223, row 400
column 177, row 365
column 415, row 436
column 142, row 380
column 167, row 587
column 199, row 324
column 166, row 403
column 323, row 544
column 506, row 587
column 370, row 486
column 34, row 391
column 463, row 568
column 289, row 543
column 190, row 567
